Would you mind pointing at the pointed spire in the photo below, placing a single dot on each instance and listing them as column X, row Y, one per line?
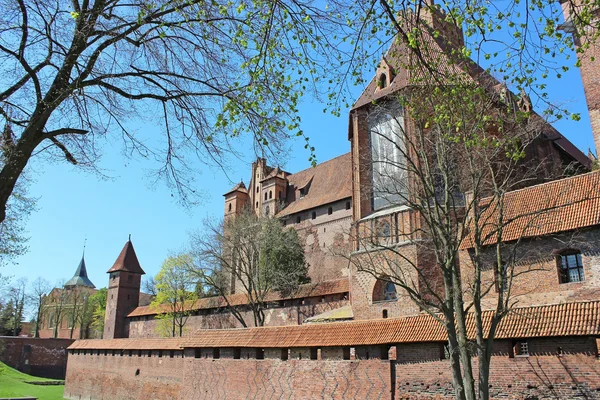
column 127, row 260
column 80, row 278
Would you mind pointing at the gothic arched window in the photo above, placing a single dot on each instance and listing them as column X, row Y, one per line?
column 384, row 290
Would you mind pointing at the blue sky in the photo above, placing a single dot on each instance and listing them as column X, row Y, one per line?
column 75, row 205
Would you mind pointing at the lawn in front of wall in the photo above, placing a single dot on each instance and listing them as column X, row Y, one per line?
column 12, row 384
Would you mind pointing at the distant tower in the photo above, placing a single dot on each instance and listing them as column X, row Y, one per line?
column 590, row 69
column 123, row 292
column 80, row 278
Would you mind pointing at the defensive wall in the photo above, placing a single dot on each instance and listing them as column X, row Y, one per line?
column 40, row 357
column 541, row 352
column 211, row 312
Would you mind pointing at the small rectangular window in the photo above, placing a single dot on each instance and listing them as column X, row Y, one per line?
column 521, row 348
column 298, row 219
column 314, row 353
column 314, row 215
column 197, row 353
column 216, row 353
column 571, row 267
column 237, row 353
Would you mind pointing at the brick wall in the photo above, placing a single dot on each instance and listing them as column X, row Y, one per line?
column 290, row 315
column 544, row 374
column 326, row 239
column 590, row 73
column 40, row 357
column 362, row 285
column 123, row 377
column 565, row 367
column 536, row 276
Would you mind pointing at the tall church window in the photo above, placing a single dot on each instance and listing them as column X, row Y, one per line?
column 389, row 178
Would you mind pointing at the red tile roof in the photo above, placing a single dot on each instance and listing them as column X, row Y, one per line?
column 128, row 344
column 309, row 290
column 568, row 319
column 559, row 206
column 329, row 181
column 127, row 261
column 240, row 187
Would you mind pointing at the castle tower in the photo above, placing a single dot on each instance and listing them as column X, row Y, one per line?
column 589, row 69
column 123, row 292
column 236, row 199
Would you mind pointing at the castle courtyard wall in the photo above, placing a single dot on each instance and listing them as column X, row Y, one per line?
column 565, row 368
column 293, row 314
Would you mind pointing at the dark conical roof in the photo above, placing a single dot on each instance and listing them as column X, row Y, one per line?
column 127, row 261
column 80, row 278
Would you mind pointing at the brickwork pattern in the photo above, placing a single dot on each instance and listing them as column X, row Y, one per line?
column 556, row 368
column 281, row 316
column 123, row 377
column 536, row 276
column 40, row 357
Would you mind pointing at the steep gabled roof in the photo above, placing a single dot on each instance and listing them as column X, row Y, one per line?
column 329, row 181
column 80, row 278
column 127, row 261
column 438, row 48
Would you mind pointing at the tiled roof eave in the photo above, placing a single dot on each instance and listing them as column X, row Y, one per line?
column 568, row 319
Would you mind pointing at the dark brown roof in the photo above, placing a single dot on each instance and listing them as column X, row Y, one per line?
column 240, row 187
column 309, row 290
column 559, row 206
column 329, row 181
column 568, row 319
column 127, row 261
column 276, row 173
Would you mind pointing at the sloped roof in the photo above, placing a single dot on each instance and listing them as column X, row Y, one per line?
column 567, row 319
column 127, row 261
column 329, row 181
column 559, row 206
column 128, row 344
column 438, row 48
column 308, row 290
column 80, row 278
column 337, row 314
column 276, row 173
column 240, row 187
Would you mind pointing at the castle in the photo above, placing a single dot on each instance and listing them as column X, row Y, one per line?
column 352, row 332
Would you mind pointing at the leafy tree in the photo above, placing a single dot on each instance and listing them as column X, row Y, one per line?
column 94, row 315
column 175, row 288
column 249, row 254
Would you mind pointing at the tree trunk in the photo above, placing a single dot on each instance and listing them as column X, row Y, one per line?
column 463, row 340
column 13, row 168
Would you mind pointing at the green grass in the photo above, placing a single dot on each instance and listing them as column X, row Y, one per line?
column 12, row 384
